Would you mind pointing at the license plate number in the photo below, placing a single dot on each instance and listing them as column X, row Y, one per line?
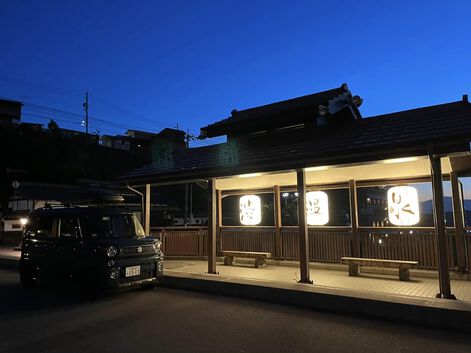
column 133, row 271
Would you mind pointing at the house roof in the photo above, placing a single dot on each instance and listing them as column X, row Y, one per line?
column 9, row 101
column 405, row 133
column 281, row 114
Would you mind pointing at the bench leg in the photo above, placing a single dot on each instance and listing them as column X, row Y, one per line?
column 404, row 274
column 353, row 270
column 260, row 262
column 228, row 260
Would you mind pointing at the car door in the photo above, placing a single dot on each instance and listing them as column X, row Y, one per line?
column 44, row 231
column 66, row 247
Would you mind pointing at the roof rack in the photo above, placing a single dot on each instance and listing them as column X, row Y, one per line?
column 48, row 206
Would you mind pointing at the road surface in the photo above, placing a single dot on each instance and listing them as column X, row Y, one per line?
column 164, row 320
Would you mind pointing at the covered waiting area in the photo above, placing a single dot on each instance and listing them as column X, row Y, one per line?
column 364, row 188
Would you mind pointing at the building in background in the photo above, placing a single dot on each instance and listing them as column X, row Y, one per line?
column 10, row 112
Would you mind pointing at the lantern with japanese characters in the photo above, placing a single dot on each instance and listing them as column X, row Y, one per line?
column 317, row 208
column 403, row 206
column 250, row 210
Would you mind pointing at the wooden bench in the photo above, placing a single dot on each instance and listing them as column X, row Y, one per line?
column 354, row 264
column 260, row 257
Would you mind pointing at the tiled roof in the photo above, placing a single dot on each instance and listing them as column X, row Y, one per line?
column 291, row 111
column 357, row 140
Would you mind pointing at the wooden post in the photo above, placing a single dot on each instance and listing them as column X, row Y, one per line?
column 458, row 220
column 440, row 228
column 147, row 211
column 303, row 229
column 212, row 226
column 218, row 222
column 356, row 249
column 278, row 243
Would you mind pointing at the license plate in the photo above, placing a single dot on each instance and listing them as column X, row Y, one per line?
column 133, row 271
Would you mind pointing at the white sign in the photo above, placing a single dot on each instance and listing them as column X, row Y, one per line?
column 250, row 210
column 403, row 206
column 317, row 207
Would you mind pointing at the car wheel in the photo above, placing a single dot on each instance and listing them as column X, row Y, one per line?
column 89, row 283
column 27, row 278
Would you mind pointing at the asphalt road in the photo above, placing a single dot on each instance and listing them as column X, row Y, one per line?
column 164, row 320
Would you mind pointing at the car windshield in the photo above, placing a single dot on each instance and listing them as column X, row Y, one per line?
column 119, row 226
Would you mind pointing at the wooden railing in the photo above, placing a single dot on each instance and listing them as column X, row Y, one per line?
column 417, row 244
column 248, row 239
column 325, row 244
column 182, row 241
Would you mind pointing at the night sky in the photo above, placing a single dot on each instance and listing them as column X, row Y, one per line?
column 152, row 64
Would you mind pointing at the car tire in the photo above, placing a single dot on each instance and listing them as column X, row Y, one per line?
column 89, row 283
column 27, row 278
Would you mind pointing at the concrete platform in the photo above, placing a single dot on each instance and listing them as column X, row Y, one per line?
column 423, row 284
column 439, row 313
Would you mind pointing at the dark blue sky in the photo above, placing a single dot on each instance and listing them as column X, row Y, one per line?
column 151, row 64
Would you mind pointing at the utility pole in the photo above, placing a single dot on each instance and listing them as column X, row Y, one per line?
column 185, row 217
column 85, row 107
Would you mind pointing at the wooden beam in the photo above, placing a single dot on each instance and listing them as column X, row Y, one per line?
column 218, row 222
column 212, row 222
column 356, row 252
column 458, row 220
column 440, row 228
column 278, row 243
column 147, row 211
column 303, row 229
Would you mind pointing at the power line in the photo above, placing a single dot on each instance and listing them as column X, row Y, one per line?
column 60, row 112
column 49, row 118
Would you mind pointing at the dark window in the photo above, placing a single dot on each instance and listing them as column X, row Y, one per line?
column 68, row 227
column 339, row 208
column 16, row 226
column 466, row 198
column 448, row 204
column 42, row 226
column 108, row 226
column 231, row 210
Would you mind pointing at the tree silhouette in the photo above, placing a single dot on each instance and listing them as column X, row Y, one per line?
column 52, row 125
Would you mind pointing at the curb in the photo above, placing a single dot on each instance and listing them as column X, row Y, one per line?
column 10, row 263
column 436, row 313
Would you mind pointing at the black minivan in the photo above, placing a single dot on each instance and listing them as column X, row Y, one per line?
column 99, row 247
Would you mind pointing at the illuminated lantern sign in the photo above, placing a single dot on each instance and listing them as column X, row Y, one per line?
column 250, row 210
column 317, row 207
column 403, row 206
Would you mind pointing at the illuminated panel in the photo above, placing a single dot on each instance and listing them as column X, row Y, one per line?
column 250, row 210
column 403, row 206
column 317, row 207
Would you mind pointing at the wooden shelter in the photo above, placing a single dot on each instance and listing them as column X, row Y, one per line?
column 319, row 152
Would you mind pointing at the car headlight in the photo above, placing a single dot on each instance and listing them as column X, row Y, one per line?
column 111, row 251
column 157, row 246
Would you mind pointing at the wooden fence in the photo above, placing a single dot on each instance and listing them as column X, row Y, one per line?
column 248, row 239
column 325, row 245
column 328, row 245
column 402, row 244
column 182, row 241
